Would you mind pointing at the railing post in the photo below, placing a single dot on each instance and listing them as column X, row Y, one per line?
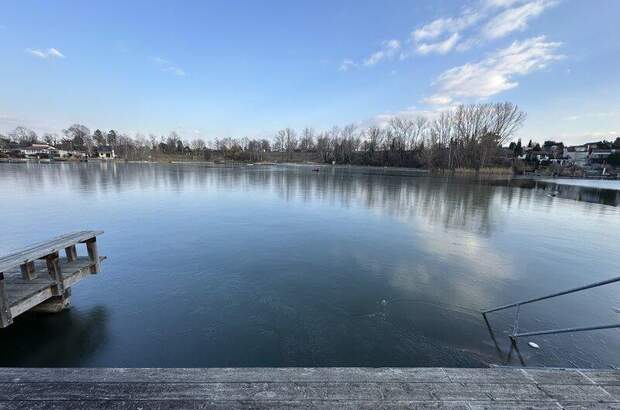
column 93, row 255
column 27, row 270
column 71, row 253
column 53, row 268
column 5, row 309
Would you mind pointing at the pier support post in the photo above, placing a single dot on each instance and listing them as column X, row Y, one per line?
column 27, row 271
column 71, row 253
column 55, row 304
column 53, row 268
column 5, row 310
column 93, row 254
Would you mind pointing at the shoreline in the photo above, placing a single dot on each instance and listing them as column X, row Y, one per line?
column 459, row 172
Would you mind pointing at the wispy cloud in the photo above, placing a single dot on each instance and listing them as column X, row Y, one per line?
column 441, row 47
column 49, row 53
column 437, row 100
column 476, row 25
column 447, row 25
column 501, row 3
column 347, row 64
column 572, row 118
column 383, row 120
column 450, row 33
column 602, row 114
column 389, row 49
column 168, row 67
column 515, row 19
column 495, row 73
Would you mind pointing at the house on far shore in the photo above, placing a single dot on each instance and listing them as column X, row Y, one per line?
column 39, row 151
column 578, row 154
column 45, row 151
column 105, row 152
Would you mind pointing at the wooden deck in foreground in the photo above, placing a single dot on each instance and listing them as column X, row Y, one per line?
column 508, row 388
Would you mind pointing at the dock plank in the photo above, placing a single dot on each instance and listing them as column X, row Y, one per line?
column 19, row 288
column 260, row 388
column 24, row 294
column 206, row 375
column 41, row 249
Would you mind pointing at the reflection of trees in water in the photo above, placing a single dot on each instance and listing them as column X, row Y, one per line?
column 64, row 339
column 454, row 202
column 466, row 206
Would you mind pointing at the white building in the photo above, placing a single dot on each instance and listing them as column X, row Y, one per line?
column 39, row 150
column 105, row 152
column 577, row 155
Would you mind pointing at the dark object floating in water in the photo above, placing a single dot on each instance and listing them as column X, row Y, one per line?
column 316, row 169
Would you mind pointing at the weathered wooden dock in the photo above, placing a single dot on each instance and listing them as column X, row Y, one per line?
column 493, row 388
column 37, row 277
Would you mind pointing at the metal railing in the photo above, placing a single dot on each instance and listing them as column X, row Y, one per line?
column 515, row 332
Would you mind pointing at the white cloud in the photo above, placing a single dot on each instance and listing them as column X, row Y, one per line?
column 501, row 3
column 448, row 25
column 45, row 54
column 53, row 52
column 441, row 47
column 497, row 72
column 431, row 30
column 383, row 120
column 388, row 50
column 168, row 67
column 437, row 100
column 476, row 25
column 176, row 71
column 516, row 18
column 347, row 64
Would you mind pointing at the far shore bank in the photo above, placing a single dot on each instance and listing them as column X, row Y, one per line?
column 486, row 172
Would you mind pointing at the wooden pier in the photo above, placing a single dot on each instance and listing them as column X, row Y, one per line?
column 350, row 388
column 38, row 278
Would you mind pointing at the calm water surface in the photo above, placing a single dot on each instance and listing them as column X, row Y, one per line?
column 277, row 266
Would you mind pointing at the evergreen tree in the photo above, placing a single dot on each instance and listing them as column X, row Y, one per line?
column 98, row 137
column 111, row 138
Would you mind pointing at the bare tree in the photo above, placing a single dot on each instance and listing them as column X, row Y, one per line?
column 306, row 143
column 466, row 136
column 290, row 142
column 80, row 137
column 23, row 136
column 197, row 144
column 280, row 141
column 50, row 139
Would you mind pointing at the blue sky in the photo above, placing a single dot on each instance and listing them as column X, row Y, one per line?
column 247, row 68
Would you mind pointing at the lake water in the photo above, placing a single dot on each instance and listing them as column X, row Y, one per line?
column 283, row 266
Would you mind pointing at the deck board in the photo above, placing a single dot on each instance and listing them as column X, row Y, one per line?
column 309, row 388
column 41, row 249
column 25, row 294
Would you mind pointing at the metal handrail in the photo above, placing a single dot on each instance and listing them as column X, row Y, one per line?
column 566, row 330
column 515, row 333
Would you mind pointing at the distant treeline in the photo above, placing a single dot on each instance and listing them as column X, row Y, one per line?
column 467, row 136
